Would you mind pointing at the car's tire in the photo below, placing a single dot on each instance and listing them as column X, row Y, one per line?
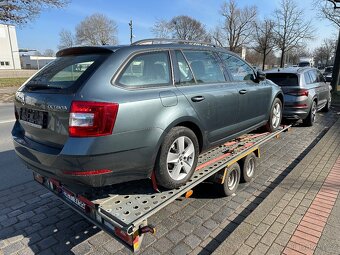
column 231, row 181
column 310, row 119
column 248, row 167
column 177, row 158
column 327, row 107
column 275, row 116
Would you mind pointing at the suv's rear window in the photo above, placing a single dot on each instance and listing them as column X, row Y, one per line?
column 329, row 69
column 283, row 79
column 64, row 72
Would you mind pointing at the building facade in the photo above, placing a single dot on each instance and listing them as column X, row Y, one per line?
column 9, row 51
column 35, row 62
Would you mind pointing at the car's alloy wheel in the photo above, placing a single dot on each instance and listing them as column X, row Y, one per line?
column 309, row 121
column 177, row 158
column 180, row 158
column 276, row 116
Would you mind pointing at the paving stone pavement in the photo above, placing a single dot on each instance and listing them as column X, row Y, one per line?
column 33, row 221
column 300, row 216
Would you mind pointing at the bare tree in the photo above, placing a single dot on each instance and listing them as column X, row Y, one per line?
column 264, row 39
column 290, row 29
column 66, row 39
column 161, row 29
column 327, row 11
column 181, row 27
column 237, row 25
column 22, row 11
column 49, row 53
column 97, row 29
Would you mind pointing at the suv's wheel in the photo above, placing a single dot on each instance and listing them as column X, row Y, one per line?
column 275, row 116
column 177, row 158
column 309, row 121
column 328, row 105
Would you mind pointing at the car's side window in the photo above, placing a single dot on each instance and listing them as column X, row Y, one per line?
column 313, row 76
column 321, row 78
column 307, row 78
column 205, row 66
column 146, row 69
column 238, row 68
column 185, row 75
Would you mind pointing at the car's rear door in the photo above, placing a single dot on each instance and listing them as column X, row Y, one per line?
column 319, row 87
column 201, row 79
column 254, row 98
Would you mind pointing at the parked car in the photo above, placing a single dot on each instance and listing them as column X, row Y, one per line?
column 305, row 92
column 328, row 73
column 132, row 110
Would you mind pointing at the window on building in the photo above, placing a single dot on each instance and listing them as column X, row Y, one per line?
column 2, row 63
column 7, row 63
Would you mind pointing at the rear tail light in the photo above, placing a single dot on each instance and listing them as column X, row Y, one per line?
column 89, row 119
column 298, row 92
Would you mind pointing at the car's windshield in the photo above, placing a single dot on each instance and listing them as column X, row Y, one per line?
column 283, row 79
column 63, row 72
column 303, row 64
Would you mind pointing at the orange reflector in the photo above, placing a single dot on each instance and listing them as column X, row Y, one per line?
column 189, row 193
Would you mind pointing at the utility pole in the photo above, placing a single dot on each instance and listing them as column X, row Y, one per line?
column 131, row 30
column 336, row 68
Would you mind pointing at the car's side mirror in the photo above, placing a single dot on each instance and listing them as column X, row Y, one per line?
column 261, row 76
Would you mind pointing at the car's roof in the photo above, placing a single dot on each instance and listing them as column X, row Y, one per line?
column 111, row 49
column 292, row 70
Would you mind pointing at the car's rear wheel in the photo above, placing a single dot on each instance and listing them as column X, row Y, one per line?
column 328, row 105
column 309, row 121
column 177, row 158
column 275, row 116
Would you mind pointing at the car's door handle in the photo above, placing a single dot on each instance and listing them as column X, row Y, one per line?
column 243, row 91
column 197, row 98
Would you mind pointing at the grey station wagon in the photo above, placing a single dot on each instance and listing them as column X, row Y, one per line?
column 105, row 115
column 305, row 92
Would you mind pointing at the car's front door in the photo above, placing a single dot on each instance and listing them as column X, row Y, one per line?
column 254, row 98
column 202, row 81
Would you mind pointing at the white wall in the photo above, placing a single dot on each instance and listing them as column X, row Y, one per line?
column 9, row 51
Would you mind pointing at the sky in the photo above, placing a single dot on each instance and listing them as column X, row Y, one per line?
column 43, row 32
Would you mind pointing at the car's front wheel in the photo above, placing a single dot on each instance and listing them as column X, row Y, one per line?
column 275, row 116
column 177, row 158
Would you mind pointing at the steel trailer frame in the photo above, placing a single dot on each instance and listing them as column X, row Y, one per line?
column 123, row 210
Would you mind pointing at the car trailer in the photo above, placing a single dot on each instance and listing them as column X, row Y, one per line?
column 123, row 210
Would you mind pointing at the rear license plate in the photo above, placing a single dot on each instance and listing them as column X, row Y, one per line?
column 34, row 118
column 73, row 199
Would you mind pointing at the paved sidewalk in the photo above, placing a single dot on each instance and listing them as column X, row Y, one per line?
column 301, row 215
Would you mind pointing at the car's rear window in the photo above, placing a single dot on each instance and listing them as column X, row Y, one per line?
column 283, row 79
column 65, row 73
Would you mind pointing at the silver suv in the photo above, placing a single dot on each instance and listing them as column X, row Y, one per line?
column 305, row 92
column 104, row 115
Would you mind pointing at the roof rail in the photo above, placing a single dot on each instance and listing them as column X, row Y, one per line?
column 165, row 41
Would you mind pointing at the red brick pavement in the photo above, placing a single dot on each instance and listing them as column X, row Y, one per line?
column 308, row 233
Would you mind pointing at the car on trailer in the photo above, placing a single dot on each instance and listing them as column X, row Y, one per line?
column 98, row 116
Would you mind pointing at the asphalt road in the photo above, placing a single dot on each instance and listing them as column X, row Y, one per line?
column 12, row 171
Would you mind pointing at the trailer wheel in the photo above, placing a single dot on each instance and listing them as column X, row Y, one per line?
column 177, row 158
column 231, row 181
column 248, row 167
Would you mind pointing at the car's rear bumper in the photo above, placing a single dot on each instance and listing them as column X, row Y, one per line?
column 295, row 113
column 126, row 165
